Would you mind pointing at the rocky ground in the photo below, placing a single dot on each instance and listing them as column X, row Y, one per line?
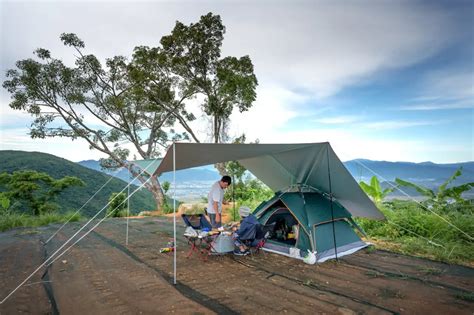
column 102, row 275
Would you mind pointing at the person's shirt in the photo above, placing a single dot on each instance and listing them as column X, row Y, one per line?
column 248, row 228
column 216, row 194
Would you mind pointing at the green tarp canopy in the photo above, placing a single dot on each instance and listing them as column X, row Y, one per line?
column 280, row 166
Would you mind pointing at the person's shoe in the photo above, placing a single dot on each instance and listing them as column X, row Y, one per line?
column 238, row 252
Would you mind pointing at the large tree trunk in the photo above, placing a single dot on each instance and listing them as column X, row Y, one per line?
column 158, row 195
column 153, row 185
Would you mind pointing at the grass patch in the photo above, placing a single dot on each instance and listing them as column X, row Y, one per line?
column 413, row 230
column 466, row 296
column 370, row 249
column 13, row 220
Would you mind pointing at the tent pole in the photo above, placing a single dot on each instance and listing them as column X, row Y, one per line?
column 332, row 208
column 233, row 196
column 174, row 210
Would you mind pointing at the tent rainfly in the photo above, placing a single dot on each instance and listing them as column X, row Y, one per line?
column 330, row 188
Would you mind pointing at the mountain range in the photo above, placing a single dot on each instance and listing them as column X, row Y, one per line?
column 74, row 198
column 426, row 174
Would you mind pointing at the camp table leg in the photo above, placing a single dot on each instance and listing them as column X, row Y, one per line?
column 208, row 248
column 194, row 247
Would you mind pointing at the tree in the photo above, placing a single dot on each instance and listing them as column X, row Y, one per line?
column 194, row 54
column 374, row 190
column 440, row 198
column 68, row 101
column 35, row 190
column 234, row 168
column 136, row 102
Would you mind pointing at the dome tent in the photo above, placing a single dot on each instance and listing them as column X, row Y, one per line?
column 319, row 226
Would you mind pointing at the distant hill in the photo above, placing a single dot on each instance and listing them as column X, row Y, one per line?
column 426, row 173
column 73, row 198
column 192, row 174
column 192, row 184
column 196, row 181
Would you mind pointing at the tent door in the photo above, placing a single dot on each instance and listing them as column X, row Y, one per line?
column 286, row 227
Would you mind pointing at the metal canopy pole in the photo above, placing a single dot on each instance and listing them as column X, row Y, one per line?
column 233, row 197
column 128, row 210
column 174, row 210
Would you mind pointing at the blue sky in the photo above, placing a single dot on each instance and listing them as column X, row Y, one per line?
column 381, row 80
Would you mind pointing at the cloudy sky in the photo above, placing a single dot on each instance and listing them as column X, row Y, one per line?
column 382, row 80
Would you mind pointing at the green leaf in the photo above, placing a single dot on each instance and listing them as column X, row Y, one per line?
column 456, row 174
column 424, row 191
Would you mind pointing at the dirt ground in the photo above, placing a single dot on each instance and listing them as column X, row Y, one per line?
column 102, row 275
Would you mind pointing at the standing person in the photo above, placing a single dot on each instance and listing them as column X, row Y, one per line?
column 215, row 198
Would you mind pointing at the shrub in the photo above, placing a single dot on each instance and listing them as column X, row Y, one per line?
column 418, row 231
column 117, row 206
column 168, row 208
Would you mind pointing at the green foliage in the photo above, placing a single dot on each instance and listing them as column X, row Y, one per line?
column 416, row 231
column 166, row 187
column 167, row 208
column 250, row 192
column 440, row 198
column 13, row 220
column 374, row 190
column 74, row 197
column 118, row 205
column 194, row 53
column 36, row 191
column 466, row 296
column 4, row 203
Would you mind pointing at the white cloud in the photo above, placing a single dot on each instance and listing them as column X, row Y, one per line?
column 440, row 106
column 398, row 124
column 319, row 47
column 325, row 47
column 445, row 89
column 338, row 120
column 270, row 112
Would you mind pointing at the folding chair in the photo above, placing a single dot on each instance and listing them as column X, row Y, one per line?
column 263, row 233
column 197, row 223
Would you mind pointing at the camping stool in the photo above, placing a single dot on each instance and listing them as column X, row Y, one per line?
column 264, row 232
